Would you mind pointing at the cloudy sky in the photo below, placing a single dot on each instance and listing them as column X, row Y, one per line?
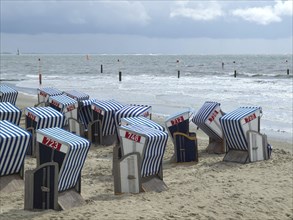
column 144, row 27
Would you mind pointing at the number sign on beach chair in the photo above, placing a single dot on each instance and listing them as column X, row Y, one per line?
column 45, row 93
column 102, row 130
column 10, row 113
column 14, row 142
column 69, row 151
column 41, row 117
column 8, row 94
column 208, row 120
column 243, row 141
column 139, row 169
column 68, row 107
column 185, row 142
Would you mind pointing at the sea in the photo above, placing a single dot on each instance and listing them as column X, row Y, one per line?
column 169, row 83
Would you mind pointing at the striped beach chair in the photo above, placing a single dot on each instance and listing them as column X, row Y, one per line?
column 132, row 111
column 139, row 168
column 8, row 94
column 69, row 151
column 103, row 129
column 14, row 142
column 140, row 120
column 208, row 120
column 41, row 117
column 10, row 113
column 84, row 114
column 45, row 93
column 69, row 108
column 185, row 142
column 243, row 141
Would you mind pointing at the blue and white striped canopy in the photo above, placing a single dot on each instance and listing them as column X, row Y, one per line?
column 154, row 150
column 107, row 108
column 10, row 113
column 204, row 118
column 8, row 94
column 132, row 111
column 233, row 126
column 140, row 120
column 78, row 96
column 45, row 117
column 49, row 91
column 14, row 142
column 75, row 148
column 85, row 111
column 63, row 102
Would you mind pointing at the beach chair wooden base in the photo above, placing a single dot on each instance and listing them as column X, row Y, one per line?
column 11, row 183
column 41, row 187
column 238, row 156
column 185, row 147
column 153, row 184
column 69, row 199
column 215, row 147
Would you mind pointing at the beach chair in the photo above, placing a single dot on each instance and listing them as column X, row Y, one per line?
column 244, row 142
column 14, row 142
column 102, row 129
column 41, row 117
column 8, row 94
column 57, row 178
column 185, row 142
column 139, row 168
column 10, row 113
column 208, row 120
column 84, row 113
column 44, row 94
column 69, row 108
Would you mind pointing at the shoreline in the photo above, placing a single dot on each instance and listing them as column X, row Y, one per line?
column 210, row 189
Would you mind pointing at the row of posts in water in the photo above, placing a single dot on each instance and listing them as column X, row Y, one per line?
column 120, row 72
column 178, row 72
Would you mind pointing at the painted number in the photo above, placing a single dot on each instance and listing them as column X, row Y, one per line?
column 133, row 137
column 250, row 118
column 98, row 110
column 70, row 108
column 51, row 143
column 55, row 103
column 213, row 116
column 31, row 116
column 177, row 120
column 43, row 93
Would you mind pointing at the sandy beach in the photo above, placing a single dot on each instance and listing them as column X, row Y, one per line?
column 209, row 189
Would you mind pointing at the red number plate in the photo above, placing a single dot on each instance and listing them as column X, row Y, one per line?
column 70, row 108
column 31, row 116
column 51, row 143
column 213, row 116
column 177, row 120
column 250, row 118
column 133, row 137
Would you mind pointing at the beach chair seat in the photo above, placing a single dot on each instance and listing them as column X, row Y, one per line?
column 8, row 94
column 44, row 94
column 69, row 151
column 185, row 147
column 208, row 120
column 10, row 113
column 244, row 142
column 139, row 168
column 14, row 142
column 41, row 117
column 185, row 143
column 102, row 129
